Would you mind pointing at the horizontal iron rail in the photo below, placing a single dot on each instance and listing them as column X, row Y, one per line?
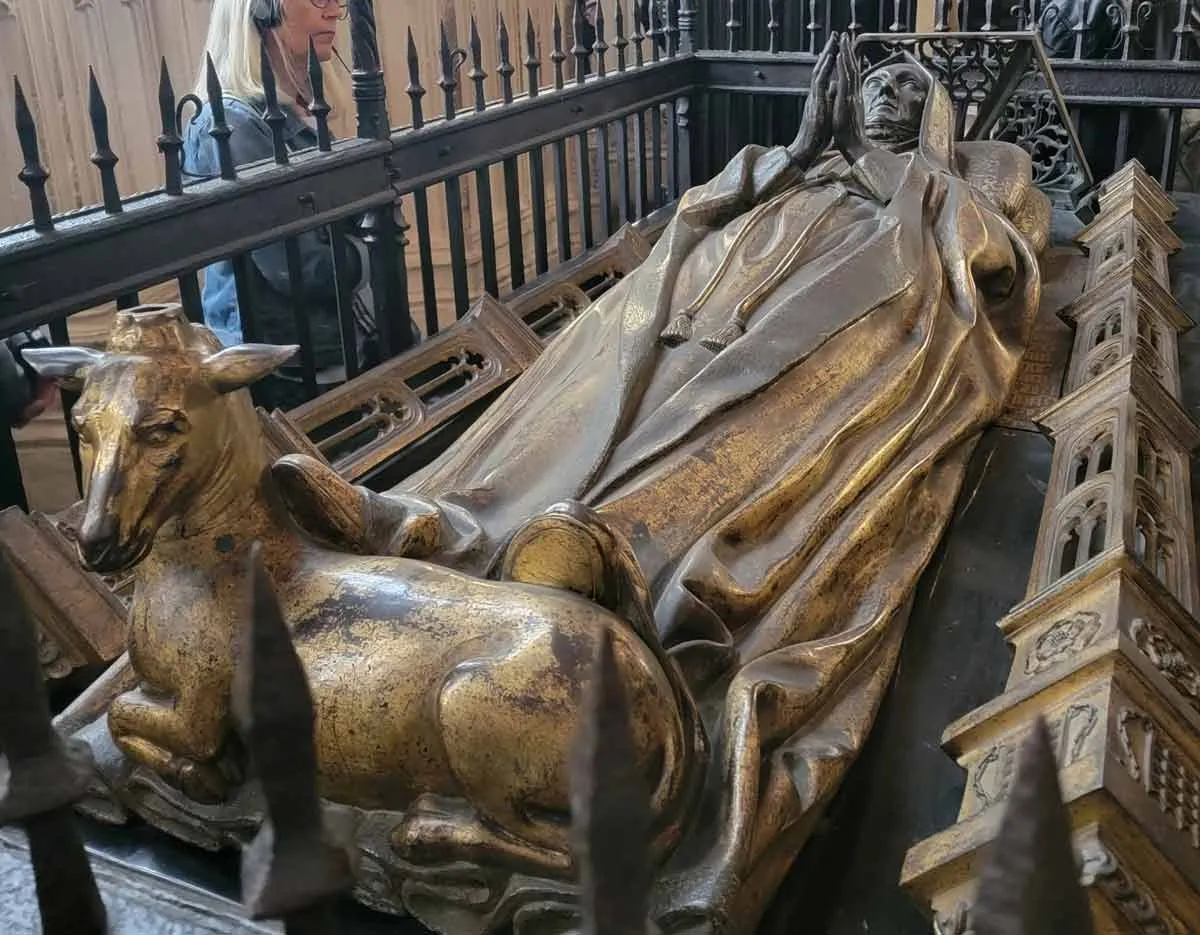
column 1113, row 83
column 449, row 148
column 158, row 237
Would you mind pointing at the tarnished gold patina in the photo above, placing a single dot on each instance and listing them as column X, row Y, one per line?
column 755, row 442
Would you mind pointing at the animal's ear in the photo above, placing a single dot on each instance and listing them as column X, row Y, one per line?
column 69, row 366
column 237, row 367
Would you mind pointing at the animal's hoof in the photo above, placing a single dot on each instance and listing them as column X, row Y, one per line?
column 431, row 831
column 201, row 782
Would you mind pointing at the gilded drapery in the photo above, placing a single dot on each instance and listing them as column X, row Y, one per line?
column 784, row 494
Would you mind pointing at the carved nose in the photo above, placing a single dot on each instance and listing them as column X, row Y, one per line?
column 97, row 535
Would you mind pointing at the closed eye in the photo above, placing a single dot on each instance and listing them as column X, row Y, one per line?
column 162, row 431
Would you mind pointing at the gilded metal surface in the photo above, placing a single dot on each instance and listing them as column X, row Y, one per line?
column 743, row 518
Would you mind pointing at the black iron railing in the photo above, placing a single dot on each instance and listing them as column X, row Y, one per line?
column 612, row 127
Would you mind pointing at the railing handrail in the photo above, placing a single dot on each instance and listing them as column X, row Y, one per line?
column 261, row 205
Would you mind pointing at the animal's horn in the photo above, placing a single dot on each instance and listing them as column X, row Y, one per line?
column 68, row 365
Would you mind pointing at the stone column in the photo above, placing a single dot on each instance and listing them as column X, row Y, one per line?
column 1106, row 644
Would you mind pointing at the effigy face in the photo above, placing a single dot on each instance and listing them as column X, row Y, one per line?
column 740, row 507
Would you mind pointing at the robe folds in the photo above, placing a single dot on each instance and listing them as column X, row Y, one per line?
column 784, row 494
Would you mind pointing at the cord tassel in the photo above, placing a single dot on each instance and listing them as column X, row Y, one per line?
column 721, row 339
column 679, row 331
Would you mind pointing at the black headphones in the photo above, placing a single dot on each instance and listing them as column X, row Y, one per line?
column 266, row 14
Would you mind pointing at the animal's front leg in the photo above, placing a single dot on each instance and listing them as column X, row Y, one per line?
column 176, row 739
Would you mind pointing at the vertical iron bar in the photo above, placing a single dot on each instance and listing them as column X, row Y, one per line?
column 399, row 229
column 243, row 280
column 656, row 167
column 640, row 176
column 639, row 33
column 366, row 76
column 681, row 123
column 483, row 176
column 319, row 108
column 104, row 159
column 1122, row 142
column 583, row 169
column 621, row 44
column 12, row 486
column 561, row 198
column 1183, row 31
column 656, row 31
column 169, row 142
column 733, row 25
column 454, row 203
column 673, row 29
column 512, row 178
column 425, row 254
column 458, row 246
column 299, row 303
column 584, row 180
column 389, row 278
column 774, row 26
column 421, row 198
column 220, row 131
column 1171, row 148
column 33, row 174
column 603, row 137
column 656, row 113
column 189, row 297
column 274, row 117
column 600, row 47
column 344, row 284
column 580, row 51
column 389, row 281
column 537, row 168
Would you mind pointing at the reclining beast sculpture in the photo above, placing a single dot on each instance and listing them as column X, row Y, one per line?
column 737, row 462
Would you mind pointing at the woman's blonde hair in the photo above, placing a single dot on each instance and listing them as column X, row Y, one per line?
column 233, row 43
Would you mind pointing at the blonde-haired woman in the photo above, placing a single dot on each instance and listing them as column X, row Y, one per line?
column 236, row 33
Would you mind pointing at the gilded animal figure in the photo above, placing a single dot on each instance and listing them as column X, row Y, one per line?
column 449, row 698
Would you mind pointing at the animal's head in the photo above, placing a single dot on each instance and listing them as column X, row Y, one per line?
column 159, row 419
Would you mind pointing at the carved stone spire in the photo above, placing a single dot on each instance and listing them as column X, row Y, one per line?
column 1105, row 645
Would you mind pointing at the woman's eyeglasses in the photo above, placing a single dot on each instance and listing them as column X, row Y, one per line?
column 342, row 5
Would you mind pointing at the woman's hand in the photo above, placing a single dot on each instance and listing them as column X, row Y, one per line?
column 816, row 124
column 849, row 125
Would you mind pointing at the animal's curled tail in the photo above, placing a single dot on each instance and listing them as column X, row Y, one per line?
column 571, row 548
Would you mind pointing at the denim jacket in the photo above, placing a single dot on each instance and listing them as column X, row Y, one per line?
column 273, row 314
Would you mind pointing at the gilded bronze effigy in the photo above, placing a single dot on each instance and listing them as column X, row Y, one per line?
column 731, row 468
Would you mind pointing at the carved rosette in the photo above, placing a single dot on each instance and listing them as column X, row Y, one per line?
column 1174, row 665
column 1065, row 638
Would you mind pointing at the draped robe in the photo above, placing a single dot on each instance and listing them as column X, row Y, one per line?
column 783, row 495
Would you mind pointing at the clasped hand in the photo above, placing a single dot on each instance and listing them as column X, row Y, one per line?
column 832, row 112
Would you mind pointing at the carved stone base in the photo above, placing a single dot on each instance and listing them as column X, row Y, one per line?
column 1154, row 900
column 1105, row 658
